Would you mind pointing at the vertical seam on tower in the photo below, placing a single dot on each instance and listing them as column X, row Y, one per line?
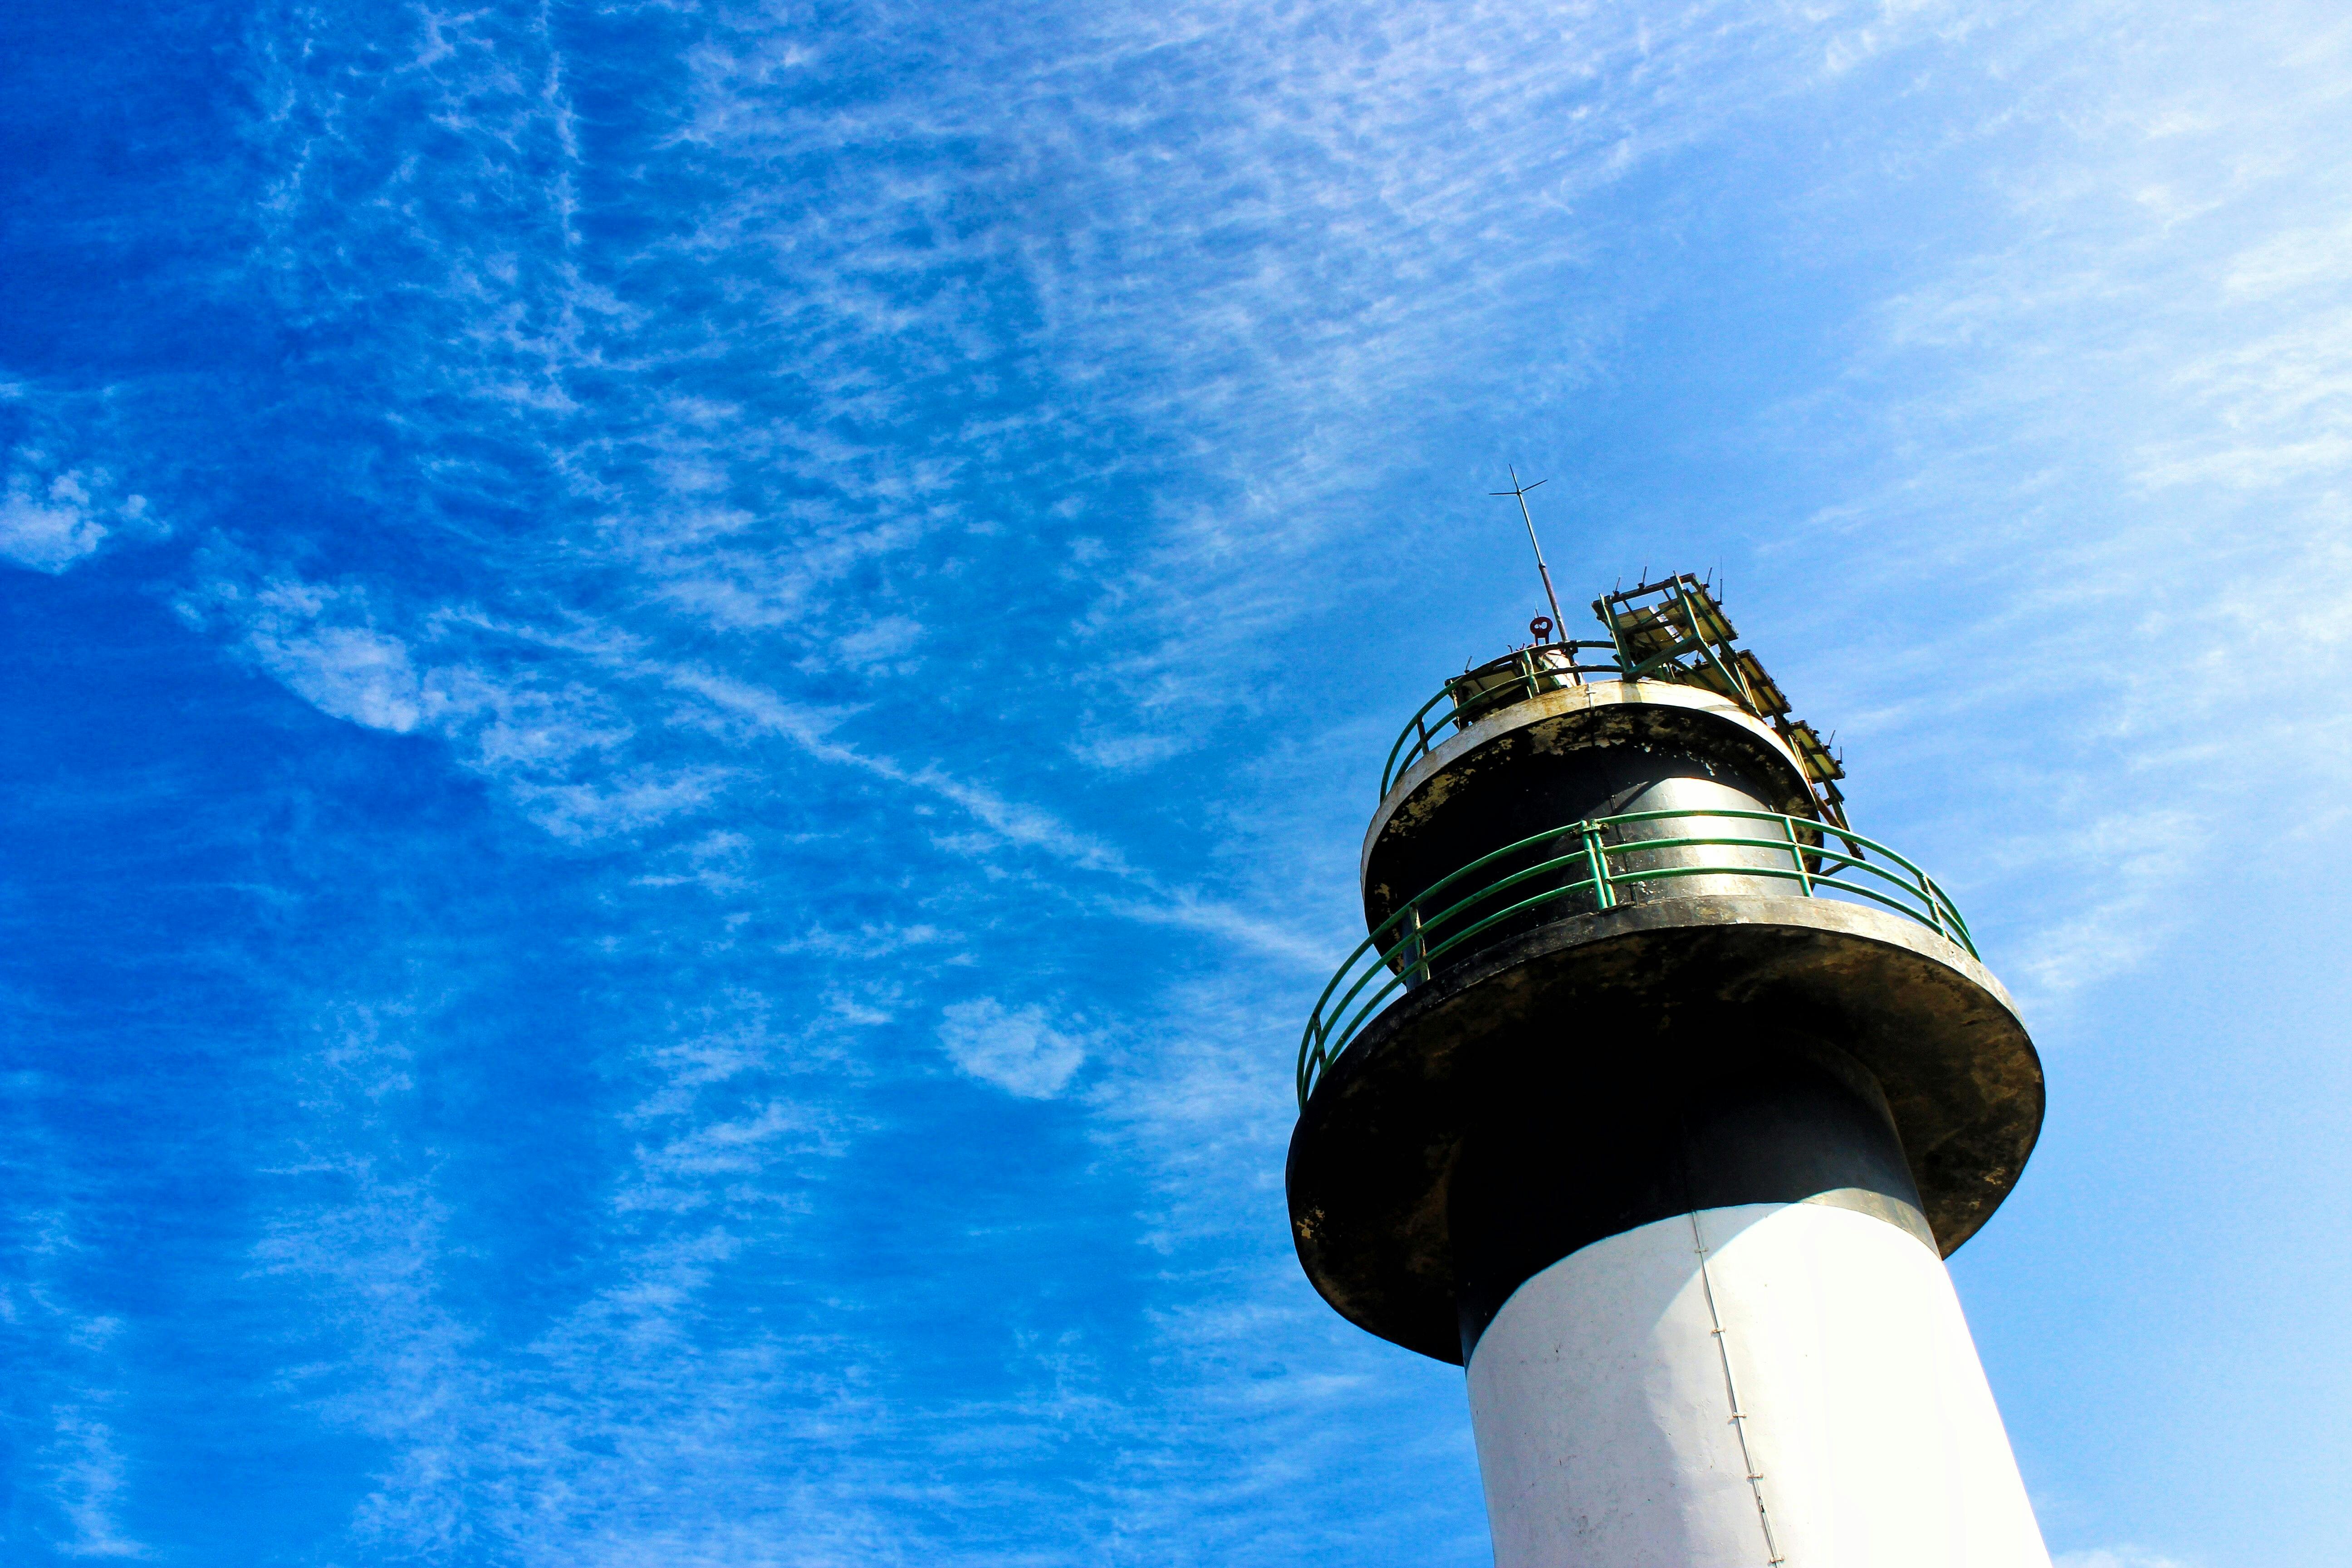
column 1731, row 1392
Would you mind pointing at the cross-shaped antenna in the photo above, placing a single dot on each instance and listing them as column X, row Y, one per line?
column 1519, row 492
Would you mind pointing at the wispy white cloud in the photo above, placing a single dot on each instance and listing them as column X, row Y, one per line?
column 90, row 1482
column 1015, row 1049
column 50, row 525
column 53, row 516
column 69, row 1386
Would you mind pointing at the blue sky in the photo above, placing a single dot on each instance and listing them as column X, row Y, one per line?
column 689, row 691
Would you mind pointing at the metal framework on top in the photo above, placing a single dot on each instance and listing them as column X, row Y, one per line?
column 1674, row 630
column 1671, row 630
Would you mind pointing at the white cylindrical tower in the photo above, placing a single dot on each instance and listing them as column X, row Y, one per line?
column 1657, row 1098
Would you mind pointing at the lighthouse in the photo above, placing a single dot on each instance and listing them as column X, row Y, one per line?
column 1656, row 1098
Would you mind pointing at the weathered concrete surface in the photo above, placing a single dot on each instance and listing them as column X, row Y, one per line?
column 1638, row 716
column 1587, row 752
column 1375, row 1150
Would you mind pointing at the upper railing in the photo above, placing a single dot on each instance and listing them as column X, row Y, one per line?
column 1602, row 859
column 1670, row 630
column 1466, row 698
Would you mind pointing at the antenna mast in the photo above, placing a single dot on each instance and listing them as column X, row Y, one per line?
column 1519, row 492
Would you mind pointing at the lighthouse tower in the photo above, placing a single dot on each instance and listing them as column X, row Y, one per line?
column 1656, row 1099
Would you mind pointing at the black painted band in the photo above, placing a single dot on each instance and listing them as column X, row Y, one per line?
column 1599, row 1148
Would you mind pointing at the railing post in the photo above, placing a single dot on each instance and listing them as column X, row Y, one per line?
column 1797, row 851
column 1597, row 857
column 1934, row 911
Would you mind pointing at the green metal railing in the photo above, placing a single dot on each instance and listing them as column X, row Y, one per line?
column 1596, row 852
column 1466, row 703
